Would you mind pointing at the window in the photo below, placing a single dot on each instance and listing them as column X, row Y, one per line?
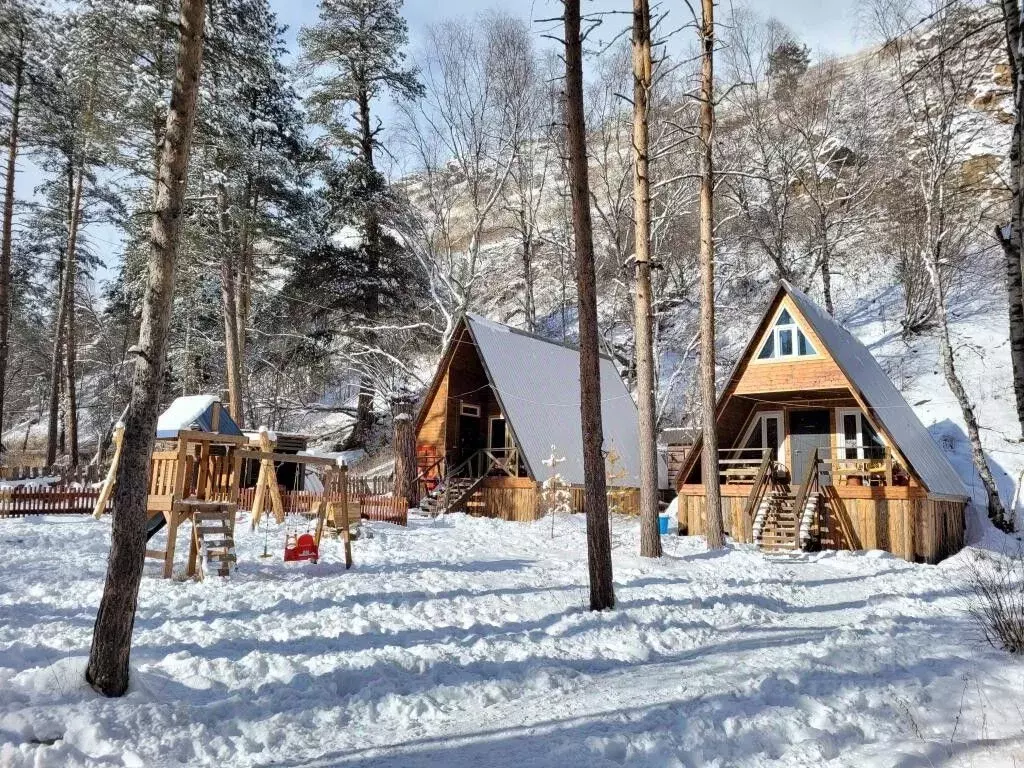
column 786, row 340
column 857, row 438
column 764, row 432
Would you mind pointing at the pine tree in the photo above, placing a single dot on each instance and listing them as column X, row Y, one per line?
column 351, row 57
column 650, row 539
column 107, row 670
column 599, row 549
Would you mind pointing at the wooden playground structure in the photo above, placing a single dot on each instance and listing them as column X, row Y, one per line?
column 195, row 478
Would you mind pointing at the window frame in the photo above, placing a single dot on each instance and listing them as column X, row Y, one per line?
column 861, row 417
column 773, row 337
column 760, row 420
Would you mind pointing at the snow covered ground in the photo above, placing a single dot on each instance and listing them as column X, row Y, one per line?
column 466, row 642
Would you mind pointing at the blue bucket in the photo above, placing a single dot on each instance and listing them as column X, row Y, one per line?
column 663, row 521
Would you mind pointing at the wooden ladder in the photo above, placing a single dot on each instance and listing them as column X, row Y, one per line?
column 213, row 537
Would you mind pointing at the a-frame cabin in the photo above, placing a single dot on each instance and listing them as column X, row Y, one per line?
column 502, row 400
column 818, row 449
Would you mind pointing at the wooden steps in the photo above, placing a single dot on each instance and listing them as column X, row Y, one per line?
column 213, row 537
column 779, row 527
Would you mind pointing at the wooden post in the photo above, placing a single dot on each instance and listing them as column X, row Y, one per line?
column 172, row 538
column 111, row 478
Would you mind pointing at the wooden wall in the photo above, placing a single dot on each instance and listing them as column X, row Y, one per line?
column 519, row 499
column 907, row 524
column 431, row 437
column 510, row 498
column 692, row 514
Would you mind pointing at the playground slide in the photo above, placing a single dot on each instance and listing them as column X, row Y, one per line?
column 153, row 525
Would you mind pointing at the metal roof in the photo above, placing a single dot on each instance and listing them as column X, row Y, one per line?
column 194, row 412
column 537, row 383
column 890, row 408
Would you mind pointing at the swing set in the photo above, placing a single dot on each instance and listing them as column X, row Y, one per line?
column 323, row 511
column 198, row 481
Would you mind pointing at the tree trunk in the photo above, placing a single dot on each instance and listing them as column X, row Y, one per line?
column 57, row 354
column 107, row 671
column 7, row 238
column 996, row 512
column 712, row 492
column 405, row 450
column 364, row 407
column 643, row 338
column 70, row 345
column 599, row 550
column 529, row 304
column 232, row 356
column 1013, row 246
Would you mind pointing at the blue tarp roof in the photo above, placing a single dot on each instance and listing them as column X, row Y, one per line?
column 194, row 412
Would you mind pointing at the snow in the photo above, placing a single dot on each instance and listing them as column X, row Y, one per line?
column 183, row 412
column 466, row 642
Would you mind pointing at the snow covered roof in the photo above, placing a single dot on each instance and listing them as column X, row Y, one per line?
column 890, row 408
column 194, row 412
column 537, row 383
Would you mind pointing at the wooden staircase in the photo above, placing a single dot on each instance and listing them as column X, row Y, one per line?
column 780, row 527
column 455, row 494
column 213, row 537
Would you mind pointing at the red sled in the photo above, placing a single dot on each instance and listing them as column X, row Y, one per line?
column 301, row 548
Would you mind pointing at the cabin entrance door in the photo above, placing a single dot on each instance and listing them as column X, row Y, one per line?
column 470, row 434
column 808, row 430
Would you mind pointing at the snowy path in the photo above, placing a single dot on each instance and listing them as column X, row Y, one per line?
column 465, row 642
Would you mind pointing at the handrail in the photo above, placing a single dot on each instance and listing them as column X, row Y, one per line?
column 861, row 467
column 809, row 479
column 761, row 481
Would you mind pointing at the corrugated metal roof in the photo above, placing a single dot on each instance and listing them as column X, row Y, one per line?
column 194, row 412
column 891, row 409
column 537, row 383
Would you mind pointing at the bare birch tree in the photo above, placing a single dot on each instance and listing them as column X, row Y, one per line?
column 937, row 77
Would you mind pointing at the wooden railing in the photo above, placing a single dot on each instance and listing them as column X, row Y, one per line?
column 52, row 500
column 866, row 466
column 741, row 465
column 810, row 481
column 763, row 480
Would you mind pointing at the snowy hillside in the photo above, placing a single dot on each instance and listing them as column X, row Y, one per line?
column 466, row 642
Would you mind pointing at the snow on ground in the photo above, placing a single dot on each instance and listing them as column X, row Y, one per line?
column 466, row 642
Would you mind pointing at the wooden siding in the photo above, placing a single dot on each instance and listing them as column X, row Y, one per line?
column 510, row 498
column 431, row 437
column 900, row 520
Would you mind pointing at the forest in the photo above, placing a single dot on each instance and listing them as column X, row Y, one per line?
column 347, row 202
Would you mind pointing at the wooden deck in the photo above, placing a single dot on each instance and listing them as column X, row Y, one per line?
column 902, row 520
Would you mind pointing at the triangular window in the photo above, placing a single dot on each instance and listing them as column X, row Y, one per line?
column 786, row 340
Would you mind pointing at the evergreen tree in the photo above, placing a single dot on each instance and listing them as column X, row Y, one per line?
column 351, row 56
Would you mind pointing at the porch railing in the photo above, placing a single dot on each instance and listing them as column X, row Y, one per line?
column 763, row 480
column 872, row 465
column 742, row 465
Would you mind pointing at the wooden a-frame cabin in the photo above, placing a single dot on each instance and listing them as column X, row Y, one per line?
column 818, row 449
column 502, row 400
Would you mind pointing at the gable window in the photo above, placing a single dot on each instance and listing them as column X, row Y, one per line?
column 857, row 438
column 786, row 339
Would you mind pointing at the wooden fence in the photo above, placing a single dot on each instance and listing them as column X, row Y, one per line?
column 370, row 486
column 64, row 500
column 82, row 475
column 53, row 500
column 385, row 509
column 379, row 507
